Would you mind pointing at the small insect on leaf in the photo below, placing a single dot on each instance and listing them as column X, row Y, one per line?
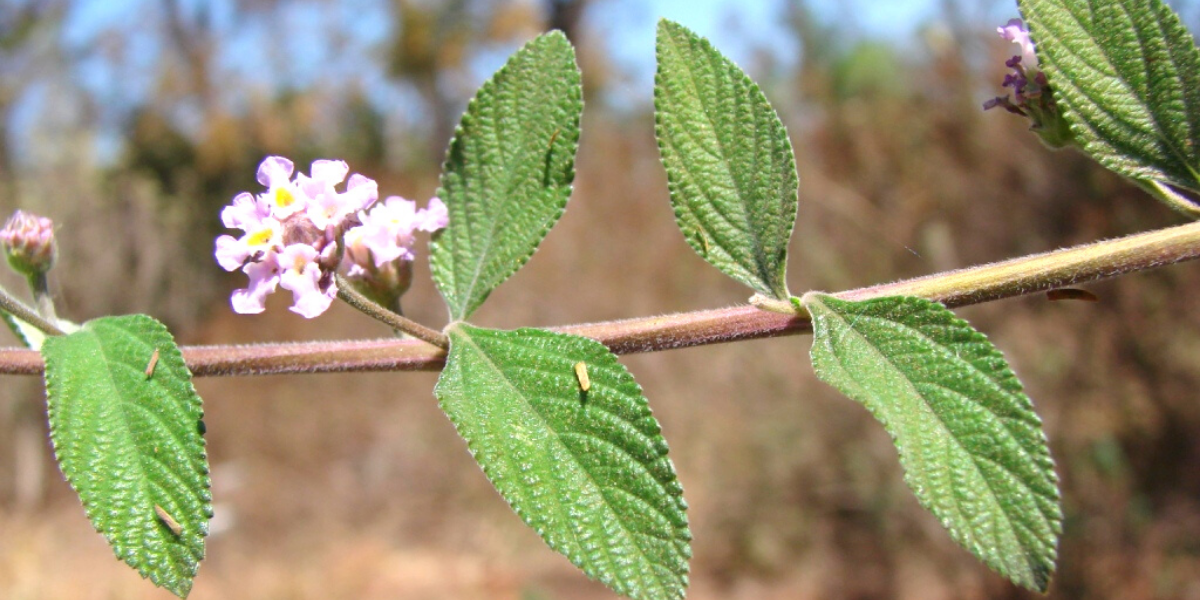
column 167, row 520
column 153, row 363
column 1072, row 294
column 581, row 374
column 554, row 137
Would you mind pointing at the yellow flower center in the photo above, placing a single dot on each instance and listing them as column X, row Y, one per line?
column 261, row 237
column 284, row 197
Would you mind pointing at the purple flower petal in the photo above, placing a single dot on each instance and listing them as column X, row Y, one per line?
column 264, row 277
column 434, row 216
column 361, row 191
column 246, row 212
column 302, row 276
column 274, row 171
column 230, row 252
column 1015, row 32
column 330, row 172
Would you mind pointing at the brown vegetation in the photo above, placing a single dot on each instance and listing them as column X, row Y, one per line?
column 351, row 486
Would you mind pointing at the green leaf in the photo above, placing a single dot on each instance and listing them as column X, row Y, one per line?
column 31, row 336
column 508, row 172
column 131, row 444
column 588, row 470
column 1128, row 74
column 972, row 448
column 729, row 163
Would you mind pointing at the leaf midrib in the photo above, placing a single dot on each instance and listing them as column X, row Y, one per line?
column 1009, row 520
column 759, row 244
column 495, row 210
column 1153, row 117
column 103, row 356
column 611, row 559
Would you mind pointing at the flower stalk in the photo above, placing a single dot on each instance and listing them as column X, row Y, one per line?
column 400, row 323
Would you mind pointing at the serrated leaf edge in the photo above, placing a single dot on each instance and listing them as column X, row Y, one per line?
column 466, row 306
column 605, row 578
column 697, row 238
column 1048, row 553
column 183, row 589
column 1112, row 153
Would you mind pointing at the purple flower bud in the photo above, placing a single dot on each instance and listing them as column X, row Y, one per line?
column 29, row 243
column 1005, row 103
column 1032, row 95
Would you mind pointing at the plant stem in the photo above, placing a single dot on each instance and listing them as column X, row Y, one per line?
column 398, row 322
column 1011, row 278
column 17, row 309
column 39, row 284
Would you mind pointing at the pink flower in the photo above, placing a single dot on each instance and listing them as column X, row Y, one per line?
column 264, row 277
column 434, row 217
column 330, row 208
column 378, row 253
column 1015, row 32
column 387, row 230
column 283, row 195
column 293, row 234
column 1032, row 95
column 260, row 240
column 246, row 212
column 312, row 291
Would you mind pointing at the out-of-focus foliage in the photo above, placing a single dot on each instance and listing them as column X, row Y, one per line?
column 793, row 490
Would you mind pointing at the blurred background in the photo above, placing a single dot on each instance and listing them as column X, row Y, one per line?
column 131, row 122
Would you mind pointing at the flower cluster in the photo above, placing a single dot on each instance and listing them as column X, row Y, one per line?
column 1032, row 96
column 301, row 230
column 28, row 242
column 378, row 252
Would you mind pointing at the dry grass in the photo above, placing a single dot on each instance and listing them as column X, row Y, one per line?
column 337, row 486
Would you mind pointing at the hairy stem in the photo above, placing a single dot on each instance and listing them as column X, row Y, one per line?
column 17, row 309
column 1016, row 277
column 39, row 284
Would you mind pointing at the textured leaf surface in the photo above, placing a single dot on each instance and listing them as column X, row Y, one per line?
column 1128, row 73
column 587, row 470
column 972, row 448
column 729, row 163
column 508, row 172
column 129, row 443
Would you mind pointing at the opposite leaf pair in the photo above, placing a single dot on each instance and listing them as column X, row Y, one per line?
column 585, row 463
column 971, row 445
column 733, row 184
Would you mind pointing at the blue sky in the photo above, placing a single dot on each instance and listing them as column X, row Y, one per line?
column 738, row 27
column 301, row 49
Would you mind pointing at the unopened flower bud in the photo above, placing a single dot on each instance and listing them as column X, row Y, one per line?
column 28, row 242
